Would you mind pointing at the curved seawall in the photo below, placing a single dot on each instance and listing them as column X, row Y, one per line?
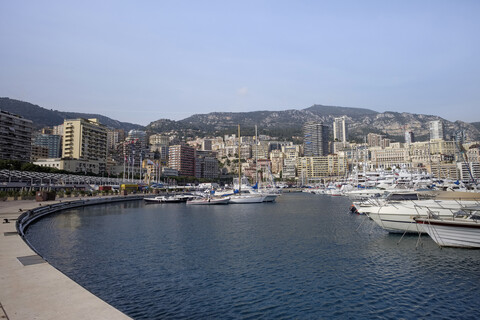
column 30, row 288
column 26, row 218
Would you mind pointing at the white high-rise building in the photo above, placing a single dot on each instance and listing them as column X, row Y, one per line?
column 436, row 130
column 340, row 132
column 409, row 137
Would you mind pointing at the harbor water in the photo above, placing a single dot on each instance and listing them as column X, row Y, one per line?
column 304, row 256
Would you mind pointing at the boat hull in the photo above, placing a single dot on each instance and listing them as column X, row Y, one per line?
column 396, row 223
column 208, row 201
column 270, row 197
column 461, row 233
column 364, row 194
column 166, row 199
column 154, row 200
column 247, row 199
column 399, row 217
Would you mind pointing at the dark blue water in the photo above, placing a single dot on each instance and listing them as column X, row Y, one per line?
column 301, row 257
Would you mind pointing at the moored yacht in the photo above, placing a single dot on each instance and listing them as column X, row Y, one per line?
column 252, row 191
column 169, row 198
column 461, row 230
column 269, row 197
column 247, row 196
column 397, row 216
column 209, row 201
column 361, row 194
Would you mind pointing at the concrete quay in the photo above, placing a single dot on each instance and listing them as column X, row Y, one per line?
column 30, row 288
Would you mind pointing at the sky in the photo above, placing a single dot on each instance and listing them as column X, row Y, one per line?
column 140, row 61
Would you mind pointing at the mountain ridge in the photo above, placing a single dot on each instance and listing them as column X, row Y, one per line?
column 360, row 121
column 43, row 117
column 286, row 124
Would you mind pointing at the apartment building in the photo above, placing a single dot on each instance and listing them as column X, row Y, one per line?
column 394, row 156
column 85, row 139
column 340, row 131
column 182, row 158
column 52, row 142
column 437, row 130
column 315, row 168
column 374, row 139
column 206, row 164
column 16, row 137
column 39, row 152
column 114, row 137
column 276, row 158
column 315, row 139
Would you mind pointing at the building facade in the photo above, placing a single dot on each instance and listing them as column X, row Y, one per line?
column 340, row 132
column 15, row 137
column 384, row 158
column 315, row 139
column 437, row 130
column 72, row 165
column 182, row 158
column 409, row 137
column 206, row 165
column 39, row 152
column 159, row 146
column 374, row 139
column 114, row 137
column 276, row 158
column 85, row 139
column 52, row 142
column 315, row 168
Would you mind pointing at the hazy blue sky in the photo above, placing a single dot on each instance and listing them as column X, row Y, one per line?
column 140, row 61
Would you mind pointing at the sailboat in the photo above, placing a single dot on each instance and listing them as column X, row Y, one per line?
column 246, row 195
column 209, row 201
column 247, row 198
column 270, row 194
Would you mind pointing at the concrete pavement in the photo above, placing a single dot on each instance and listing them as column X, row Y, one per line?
column 30, row 288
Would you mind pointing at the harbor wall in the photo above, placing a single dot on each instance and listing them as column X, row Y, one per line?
column 31, row 288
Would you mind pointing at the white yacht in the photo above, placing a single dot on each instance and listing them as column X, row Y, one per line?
column 168, row 199
column 247, row 198
column 209, row 201
column 462, row 230
column 362, row 194
column 245, row 189
column 397, row 216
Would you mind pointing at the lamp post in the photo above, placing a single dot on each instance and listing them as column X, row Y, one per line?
column 10, row 173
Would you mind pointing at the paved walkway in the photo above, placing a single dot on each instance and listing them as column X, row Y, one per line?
column 30, row 288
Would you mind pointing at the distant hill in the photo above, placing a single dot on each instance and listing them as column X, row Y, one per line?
column 288, row 123
column 321, row 110
column 42, row 117
column 282, row 124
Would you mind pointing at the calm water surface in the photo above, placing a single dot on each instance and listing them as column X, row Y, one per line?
column 302, row 257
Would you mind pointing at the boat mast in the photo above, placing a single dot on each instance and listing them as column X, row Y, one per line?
column 256, row 156
column 239, row 164
column 124, row 161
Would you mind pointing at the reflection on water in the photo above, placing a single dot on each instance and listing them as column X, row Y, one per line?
column 301, row 257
